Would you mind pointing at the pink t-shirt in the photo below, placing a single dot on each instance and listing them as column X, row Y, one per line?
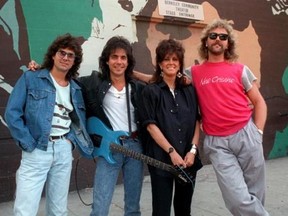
column 223, row 102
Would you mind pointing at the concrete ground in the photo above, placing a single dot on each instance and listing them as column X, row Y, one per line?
column 207, row 200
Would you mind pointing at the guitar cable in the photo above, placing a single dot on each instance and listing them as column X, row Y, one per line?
column 76, row 182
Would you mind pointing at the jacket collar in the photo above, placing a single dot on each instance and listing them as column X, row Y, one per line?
column 44, row 73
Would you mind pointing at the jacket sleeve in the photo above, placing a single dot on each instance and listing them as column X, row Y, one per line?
column 14, row 115
column 90, row 87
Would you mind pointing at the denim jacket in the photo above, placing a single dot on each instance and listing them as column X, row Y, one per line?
column 30, row 109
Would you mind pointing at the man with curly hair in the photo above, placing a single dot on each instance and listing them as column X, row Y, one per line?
column 46, row 116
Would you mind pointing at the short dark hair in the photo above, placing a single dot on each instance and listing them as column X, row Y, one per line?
column 64, row 41
column 111, row 45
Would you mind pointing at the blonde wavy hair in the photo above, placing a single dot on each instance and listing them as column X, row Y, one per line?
column 230, row 54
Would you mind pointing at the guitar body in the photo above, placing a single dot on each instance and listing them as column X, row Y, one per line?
column 96, row 127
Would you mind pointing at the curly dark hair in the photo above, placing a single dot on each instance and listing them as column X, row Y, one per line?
column 63, row 42
column 111, row 45
column 230, row 54
column 164, row 48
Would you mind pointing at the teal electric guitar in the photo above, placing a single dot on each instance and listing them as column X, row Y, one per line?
column 108, row 141
column 102, row 136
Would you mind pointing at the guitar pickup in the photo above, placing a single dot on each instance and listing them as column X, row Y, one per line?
column 96, row 139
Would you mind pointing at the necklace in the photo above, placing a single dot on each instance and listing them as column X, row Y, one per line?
column 118, row 94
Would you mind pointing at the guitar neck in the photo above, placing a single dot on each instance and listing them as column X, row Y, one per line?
column 141, row 157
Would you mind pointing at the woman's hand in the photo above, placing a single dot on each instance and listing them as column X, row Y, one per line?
column 189, row 159
column 177, row 159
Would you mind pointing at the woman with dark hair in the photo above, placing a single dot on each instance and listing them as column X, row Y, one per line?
column 113, row 96
column 170, row 115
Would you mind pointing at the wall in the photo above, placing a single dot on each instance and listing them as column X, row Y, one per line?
column 28, row 27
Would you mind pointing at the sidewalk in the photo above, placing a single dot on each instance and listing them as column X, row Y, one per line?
column 207, row 200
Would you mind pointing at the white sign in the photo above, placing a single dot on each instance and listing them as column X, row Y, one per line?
column 180, row 9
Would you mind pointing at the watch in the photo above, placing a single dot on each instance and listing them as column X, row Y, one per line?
column 170, row 150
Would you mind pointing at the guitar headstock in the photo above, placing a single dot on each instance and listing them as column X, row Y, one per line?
column 183, row 175
column 188, row 175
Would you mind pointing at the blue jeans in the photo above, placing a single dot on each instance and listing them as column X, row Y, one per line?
column 106, row 176
column 52, row 167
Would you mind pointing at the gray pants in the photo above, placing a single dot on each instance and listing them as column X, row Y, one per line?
column 239, row 165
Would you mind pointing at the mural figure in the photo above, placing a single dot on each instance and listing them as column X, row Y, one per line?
column 116, row 20
column 280, row 147
column 13, row 52
column 281, row 6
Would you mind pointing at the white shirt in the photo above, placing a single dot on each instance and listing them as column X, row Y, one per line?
column 115, row 107
column 61, row 120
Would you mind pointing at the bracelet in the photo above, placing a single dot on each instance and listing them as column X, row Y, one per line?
column 193, row 150
column 260, row 131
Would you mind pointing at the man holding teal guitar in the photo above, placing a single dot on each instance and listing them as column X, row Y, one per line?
column 111, row 96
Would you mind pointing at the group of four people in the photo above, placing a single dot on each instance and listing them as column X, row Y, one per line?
column 46, row 114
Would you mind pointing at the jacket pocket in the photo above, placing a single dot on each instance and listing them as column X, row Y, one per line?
column 25, row 147
column 37, row 99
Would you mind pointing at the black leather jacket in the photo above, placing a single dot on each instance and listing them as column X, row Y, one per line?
column 94, row 89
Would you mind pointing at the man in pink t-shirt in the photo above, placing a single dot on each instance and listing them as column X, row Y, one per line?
column 228, row 97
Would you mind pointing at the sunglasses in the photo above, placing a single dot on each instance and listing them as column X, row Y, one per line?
column 214, row 35
column 62, row 54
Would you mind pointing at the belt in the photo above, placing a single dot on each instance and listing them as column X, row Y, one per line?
column 133, row 135
column 51, row 138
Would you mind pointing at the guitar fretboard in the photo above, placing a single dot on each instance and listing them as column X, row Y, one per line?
column 142, row 157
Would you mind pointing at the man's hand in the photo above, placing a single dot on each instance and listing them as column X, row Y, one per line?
column 33, row 65
column 141, row 76
column 187, row 79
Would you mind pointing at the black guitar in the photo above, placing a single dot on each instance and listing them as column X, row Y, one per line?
column 109, row 142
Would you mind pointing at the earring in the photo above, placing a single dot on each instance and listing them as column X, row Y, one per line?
column 161, row 74
column 179, row 75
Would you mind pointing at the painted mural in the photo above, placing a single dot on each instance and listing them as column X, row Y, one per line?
column 28, row 27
